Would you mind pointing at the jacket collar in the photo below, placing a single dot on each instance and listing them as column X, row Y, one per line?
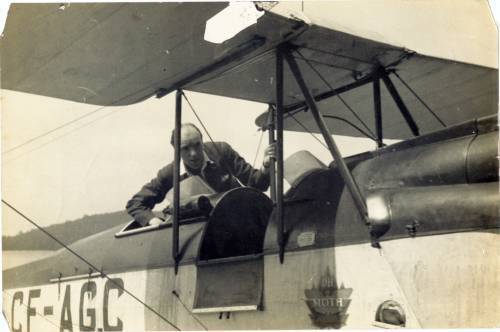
column 206, row 161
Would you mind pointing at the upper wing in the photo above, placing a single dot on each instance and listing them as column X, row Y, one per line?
column 118, row 54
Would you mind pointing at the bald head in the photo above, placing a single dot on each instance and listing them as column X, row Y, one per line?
column 187, row 128
column 191, row 146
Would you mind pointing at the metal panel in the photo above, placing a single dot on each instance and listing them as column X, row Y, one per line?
column 462, row 160
column 482, row 160
column 436, row 209
column 217, row 291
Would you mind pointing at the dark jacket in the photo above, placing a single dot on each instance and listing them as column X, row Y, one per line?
column 225, row 160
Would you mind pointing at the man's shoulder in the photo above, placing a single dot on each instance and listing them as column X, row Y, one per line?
column 166, row 171
column 217, row 146
column 218, row 150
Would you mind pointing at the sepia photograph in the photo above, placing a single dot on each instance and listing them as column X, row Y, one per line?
column 250, row 165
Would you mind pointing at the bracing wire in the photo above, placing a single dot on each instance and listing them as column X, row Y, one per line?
column 307, row 130
column 82, row 117
column 258, row 149
column 210, row 137
column 71, row 122
column 372, row 135
column 206, row 131
column 89, row 264
column 197, row 117
column 38, row 314
column 255, row 157
column 331, row 117
column 420, row 99
column 189, row 311
column 87, row 114
column 53, row 130
column 364, row 133
column 61, row 136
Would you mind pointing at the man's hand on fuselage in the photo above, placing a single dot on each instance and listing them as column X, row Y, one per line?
column 155, row 221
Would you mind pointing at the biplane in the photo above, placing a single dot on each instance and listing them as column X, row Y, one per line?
column 405, row 235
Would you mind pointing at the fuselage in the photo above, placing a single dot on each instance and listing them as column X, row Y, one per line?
column 437, row 264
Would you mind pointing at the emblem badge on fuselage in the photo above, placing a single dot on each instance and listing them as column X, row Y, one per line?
column 327, row 302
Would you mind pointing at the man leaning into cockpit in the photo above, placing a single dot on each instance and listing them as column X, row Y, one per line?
column 215, row 162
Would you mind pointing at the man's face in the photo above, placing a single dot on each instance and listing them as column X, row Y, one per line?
column 191, row 148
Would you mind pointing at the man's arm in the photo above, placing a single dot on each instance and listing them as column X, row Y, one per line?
column 140, row 206
column 256, row 178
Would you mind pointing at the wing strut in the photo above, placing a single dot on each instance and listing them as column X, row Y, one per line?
column 177, row 161
column 279, row 154
column 401, row 105
column 378, row 112
column 344, row 171
column 272, row 139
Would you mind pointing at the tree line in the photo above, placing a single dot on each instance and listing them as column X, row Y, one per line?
column 67, row 232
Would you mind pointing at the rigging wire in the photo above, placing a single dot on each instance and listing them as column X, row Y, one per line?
column 327, row 116
column 53, row 130
column 258, row 148
column 208, row 134
column 189, row 311
column 36, row 311
column 139, row 92
column 91, row 112
column 307, row 130
column 100, row 108
column 372, row 135
column 364, row 133
column 215, row 146
column 89, row 264
column 84, row 116
column 198, row 118
column 420, row 99
column 60, row 136
column 255, row 158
